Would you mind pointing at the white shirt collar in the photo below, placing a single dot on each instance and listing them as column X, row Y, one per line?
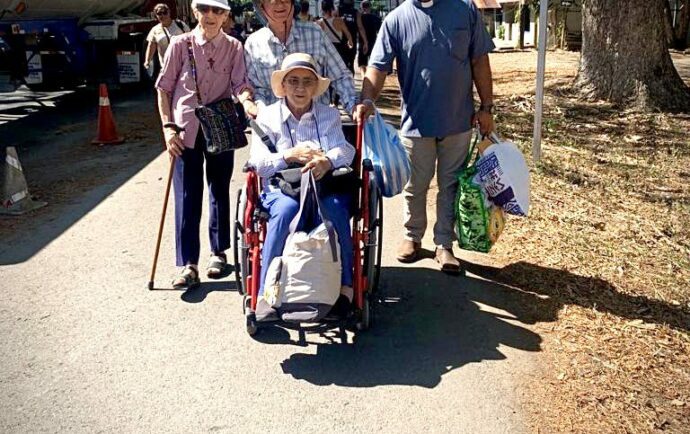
column 286, row 113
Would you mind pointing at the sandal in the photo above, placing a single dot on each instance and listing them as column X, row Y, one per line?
column 216, row 265
column 188, row 279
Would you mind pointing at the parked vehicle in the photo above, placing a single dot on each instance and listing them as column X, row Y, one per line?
column 63, row 43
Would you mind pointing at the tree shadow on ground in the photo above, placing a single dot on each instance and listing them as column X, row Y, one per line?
column 427, row 324
column 563, row 287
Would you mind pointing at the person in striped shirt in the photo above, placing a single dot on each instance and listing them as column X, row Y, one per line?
column 266, row 49
column 308, row 133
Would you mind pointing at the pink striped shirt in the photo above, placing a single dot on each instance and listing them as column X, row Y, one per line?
column 221, row 72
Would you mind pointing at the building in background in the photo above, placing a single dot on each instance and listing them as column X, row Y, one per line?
column 565, row 23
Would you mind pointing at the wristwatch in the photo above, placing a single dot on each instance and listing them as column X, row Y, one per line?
column 173, row 126
column 487, row 108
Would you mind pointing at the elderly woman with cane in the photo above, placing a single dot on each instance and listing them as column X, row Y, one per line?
column 201, row 67
column 309, row 134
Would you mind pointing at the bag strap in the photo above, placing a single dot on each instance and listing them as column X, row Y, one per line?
column 341, row 36
column 263, row 136
column 192, row 63
column 308, row 187
column 167, row 35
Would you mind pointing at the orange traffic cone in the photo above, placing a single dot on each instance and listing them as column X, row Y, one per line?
column 107, row 134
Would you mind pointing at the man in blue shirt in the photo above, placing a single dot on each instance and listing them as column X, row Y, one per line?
column 441, row 48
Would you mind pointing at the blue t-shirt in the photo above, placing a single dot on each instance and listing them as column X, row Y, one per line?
column 434, row 47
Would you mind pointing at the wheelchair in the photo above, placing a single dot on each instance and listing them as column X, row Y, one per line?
column 249, row 227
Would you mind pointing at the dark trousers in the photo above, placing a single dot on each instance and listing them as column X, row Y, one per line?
column 188, row 182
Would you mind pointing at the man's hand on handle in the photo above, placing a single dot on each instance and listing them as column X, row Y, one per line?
column 363, row 110
column 485, row 121
column 372, row 84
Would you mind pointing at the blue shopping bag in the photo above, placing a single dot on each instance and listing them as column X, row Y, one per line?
column 383, row 147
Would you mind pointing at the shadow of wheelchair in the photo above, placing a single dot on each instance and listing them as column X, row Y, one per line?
column 427, row 324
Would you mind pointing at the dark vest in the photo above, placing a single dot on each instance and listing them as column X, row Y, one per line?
column 349, row 15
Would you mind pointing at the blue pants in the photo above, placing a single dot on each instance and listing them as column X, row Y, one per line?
column 283, row 209
column 188, row 182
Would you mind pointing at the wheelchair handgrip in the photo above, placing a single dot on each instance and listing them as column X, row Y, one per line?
column 248, row 167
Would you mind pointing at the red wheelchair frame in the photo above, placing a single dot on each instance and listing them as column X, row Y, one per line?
column 367, row 225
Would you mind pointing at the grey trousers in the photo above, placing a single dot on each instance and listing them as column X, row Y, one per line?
column 429, row 155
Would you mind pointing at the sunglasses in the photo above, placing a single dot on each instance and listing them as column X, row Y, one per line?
column 204, row 9
column 161, row 14
column 304, row 82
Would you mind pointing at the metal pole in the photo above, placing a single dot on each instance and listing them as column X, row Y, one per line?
column 541, row 70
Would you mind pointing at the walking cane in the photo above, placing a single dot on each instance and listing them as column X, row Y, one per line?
column 162, row 223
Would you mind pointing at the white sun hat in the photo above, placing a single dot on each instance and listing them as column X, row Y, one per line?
column 223, row 4
column 297, row 61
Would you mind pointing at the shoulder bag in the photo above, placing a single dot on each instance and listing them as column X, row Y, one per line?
column 222, row 122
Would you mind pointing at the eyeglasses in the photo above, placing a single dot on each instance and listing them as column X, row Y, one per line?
column 161, row 13
column 204, row 9
column 304, row 82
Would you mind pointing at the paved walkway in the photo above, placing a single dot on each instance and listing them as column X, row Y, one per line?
column 86, row 348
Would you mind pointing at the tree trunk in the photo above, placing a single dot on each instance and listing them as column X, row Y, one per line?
column 625, row 58
column 680, row 33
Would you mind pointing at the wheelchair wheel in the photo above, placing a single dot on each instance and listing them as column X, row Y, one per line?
column 366, row 315
column 374, row 249
column 252, row 327
column 238, row 248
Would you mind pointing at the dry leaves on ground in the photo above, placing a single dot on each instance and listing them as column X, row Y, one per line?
column 608, row 240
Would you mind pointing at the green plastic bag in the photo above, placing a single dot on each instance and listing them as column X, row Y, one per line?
column 478, row 223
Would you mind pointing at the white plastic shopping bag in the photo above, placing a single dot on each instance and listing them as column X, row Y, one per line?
column 386, row 152
column 503, row 174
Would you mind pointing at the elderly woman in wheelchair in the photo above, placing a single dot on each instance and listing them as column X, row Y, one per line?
column 309, row 134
